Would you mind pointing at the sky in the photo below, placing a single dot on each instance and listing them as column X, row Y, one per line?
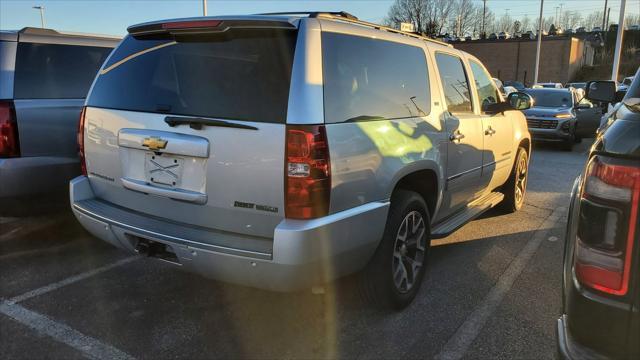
column 113, row 16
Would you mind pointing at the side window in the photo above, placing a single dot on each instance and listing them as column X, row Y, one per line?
column 52, row 71
column 369, row 79
column 487, row 91
column 455, row 83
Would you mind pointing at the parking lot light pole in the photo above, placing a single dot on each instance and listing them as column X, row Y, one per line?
column 535, row 76
column 618, row 51
column 41, row 8
column 204, row 7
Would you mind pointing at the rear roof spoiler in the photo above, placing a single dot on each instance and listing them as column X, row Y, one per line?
column 203, row 25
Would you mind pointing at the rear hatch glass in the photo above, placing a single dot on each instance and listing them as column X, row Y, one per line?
column 226, row 175
column 241, row 75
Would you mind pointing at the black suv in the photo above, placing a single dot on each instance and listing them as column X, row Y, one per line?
column 601, row 282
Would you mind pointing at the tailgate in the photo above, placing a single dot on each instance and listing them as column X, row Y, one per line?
column 190, row 128
column 223, row 178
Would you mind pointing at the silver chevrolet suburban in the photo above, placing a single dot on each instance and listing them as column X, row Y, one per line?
column 44, row 78
column 282, row 151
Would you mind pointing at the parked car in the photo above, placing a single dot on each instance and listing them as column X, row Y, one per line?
column 509, row 89
column 550, row 85
column 634, row 27
column 601, row 277
column 493, row 36
column 626, row 82
column 516, row 84
column 529, row 35
column 581, row 30
column 558, row 115
column 334, row 168
column 569, row 31
column 504, row 35
column 44, row 79
column 596, row 29
column 576, row 85
column 500, row 86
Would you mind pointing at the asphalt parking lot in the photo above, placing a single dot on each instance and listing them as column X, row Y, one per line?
column 492, row 291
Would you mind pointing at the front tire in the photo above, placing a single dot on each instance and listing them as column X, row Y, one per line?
column 567, row 145
column 516, row 187
column 395, row 272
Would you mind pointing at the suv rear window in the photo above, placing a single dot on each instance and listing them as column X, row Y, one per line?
column 238, row 75
column 54, row 71
column 369, row 79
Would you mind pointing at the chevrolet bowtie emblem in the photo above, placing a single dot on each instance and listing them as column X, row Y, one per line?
column 154, row 143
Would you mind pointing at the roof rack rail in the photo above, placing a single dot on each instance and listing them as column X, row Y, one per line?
column 346, row 17
column 385, row 28
column 315, row 14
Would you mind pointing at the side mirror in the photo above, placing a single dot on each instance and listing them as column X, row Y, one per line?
column 604, row 91
column 520, row 101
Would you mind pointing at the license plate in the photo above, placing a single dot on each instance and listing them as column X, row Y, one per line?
column 163, row 169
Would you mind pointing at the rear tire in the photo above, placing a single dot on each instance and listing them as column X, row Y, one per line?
column 393, row 276
column 515, row 188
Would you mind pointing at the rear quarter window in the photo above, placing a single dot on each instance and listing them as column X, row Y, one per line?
column 54, row 71
column 370, row 79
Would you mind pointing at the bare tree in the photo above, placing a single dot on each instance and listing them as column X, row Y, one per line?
column 517, row 27
column 505, row 23
column 525, row 24
column 468, row 17
column 592, row 20
column 632, row 19
column 427, row 16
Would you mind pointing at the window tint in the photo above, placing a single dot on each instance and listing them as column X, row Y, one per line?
column 51, row 71
column 238, row 75
column 487, row 92
column 551, row 98
column 455, row 83
column 366, row 79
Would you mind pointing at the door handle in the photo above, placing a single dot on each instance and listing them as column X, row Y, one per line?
column 456, row 136
column 489, row 131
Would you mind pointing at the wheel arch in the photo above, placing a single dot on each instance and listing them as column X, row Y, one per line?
column 425, row 181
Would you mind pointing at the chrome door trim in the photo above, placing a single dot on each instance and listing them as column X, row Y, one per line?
column 453, row 177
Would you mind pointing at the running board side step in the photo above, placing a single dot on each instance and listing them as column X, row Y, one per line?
column 472, row 211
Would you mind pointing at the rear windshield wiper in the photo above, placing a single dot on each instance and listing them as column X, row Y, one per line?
column 197, row 123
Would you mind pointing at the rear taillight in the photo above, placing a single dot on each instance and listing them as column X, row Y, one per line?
column 80, row 138
column 9, row 144
column 607, row 225
column 307, row 171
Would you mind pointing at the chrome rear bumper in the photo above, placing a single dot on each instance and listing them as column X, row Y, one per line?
column 302, row 253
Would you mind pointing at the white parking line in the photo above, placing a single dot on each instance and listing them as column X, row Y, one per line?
column 88, row 346
column 6, row 220
column 69, row 280
column 9, row 235
column 459, row 343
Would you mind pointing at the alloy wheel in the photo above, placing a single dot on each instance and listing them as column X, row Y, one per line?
column 521, row 180
column 409, row 251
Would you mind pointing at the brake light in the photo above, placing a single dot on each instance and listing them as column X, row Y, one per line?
column 308, row 172
column 80, row 138
column 607, row 225
column 9, row 144
column 196, row 24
